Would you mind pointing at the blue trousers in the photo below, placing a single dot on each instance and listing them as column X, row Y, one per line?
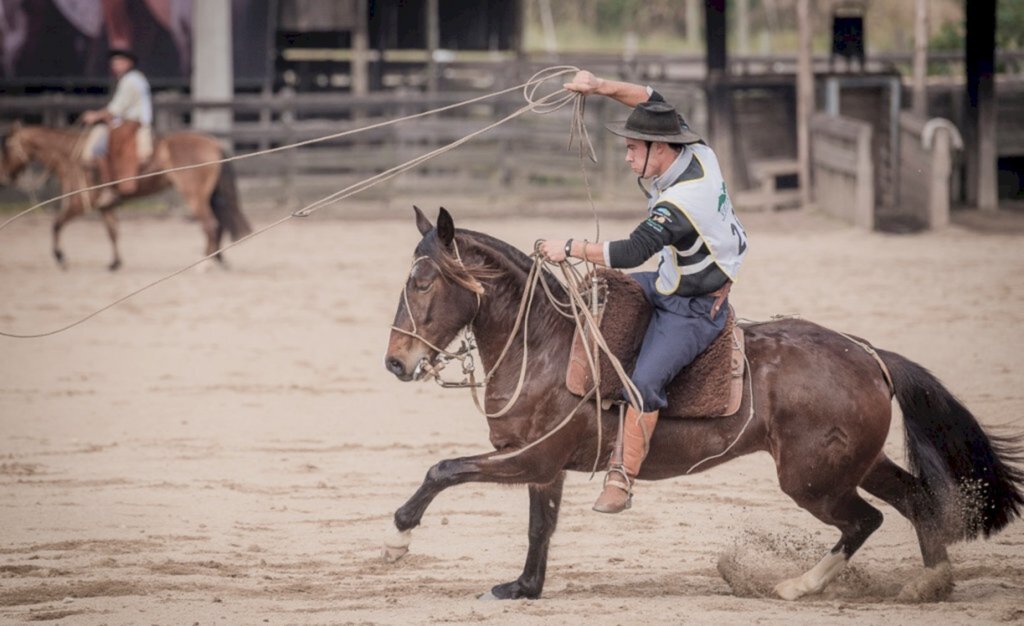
column 681, row 328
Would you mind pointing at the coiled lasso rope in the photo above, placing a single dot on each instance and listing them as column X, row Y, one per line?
column 544, row 104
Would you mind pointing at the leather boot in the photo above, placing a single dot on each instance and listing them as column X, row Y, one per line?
column 617, row 495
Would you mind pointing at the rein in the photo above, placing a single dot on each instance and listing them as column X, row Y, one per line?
column 579, row 311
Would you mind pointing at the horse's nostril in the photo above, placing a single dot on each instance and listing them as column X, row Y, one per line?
column 394, row 366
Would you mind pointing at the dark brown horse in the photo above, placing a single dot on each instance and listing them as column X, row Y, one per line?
column 822, row 409
column 210, row 191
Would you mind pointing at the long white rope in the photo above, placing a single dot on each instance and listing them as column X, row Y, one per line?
column 545, row 104
column 530, row 87
column 750, row 418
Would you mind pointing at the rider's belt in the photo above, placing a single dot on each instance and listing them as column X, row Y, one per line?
column 720, row 295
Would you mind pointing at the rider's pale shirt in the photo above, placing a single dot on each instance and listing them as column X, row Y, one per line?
column 132, row 100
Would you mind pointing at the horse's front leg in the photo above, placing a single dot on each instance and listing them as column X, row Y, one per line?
column 110, row 220
column 545, row 501
column 539, row 465
column 70, row 209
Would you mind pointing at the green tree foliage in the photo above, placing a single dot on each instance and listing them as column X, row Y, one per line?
column 1010, row 24
column 1009, row 29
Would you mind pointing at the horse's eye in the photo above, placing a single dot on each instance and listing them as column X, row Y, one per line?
column 423, row 287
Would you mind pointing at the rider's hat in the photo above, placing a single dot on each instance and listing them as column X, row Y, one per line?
column 654, row 121
column 123, row 52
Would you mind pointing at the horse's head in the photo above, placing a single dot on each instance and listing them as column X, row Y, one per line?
column 13, row 158
column 440, row 297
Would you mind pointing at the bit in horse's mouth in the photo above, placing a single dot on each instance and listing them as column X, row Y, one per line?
column 421, row 369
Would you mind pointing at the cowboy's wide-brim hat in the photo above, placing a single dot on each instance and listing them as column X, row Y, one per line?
column 654, row 121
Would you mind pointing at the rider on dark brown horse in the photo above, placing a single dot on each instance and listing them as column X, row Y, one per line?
column 124, row 139
column 691, row 225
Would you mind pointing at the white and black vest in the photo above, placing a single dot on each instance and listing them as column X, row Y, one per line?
column 693, row 184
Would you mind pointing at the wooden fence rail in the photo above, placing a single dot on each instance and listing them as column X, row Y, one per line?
column 842, row 168
column 528, row 155
column 926, row 151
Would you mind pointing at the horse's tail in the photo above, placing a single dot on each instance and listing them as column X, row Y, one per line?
column 972, row 480
column 224, row 203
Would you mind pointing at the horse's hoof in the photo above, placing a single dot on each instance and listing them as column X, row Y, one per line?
column 59, row 257
column 932, row 585
column 114, row 266
column 791, row 589
column 510, row 591
column 396, row 545
column 391, row 555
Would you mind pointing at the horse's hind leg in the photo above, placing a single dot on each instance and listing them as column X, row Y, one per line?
column 545, row 501
column 210, row 229
column 217, row 239
column 855, row 519
column 901, row 490
column 196, row 188
column 110, row 221
column 68, row 212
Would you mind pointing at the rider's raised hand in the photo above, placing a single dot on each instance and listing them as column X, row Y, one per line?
column 584, row 83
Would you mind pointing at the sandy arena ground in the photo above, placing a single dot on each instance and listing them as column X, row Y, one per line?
column 227, row 448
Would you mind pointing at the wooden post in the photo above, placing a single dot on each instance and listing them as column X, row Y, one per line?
column 717, row 88
column 519, row 33
column 920, row 89
column 212, row 71
column 804, row 101
column 692, row 23
column 980, row 104
column 269, row 72
column 433, row 43
column 743, row 26
column 361, row 50
column 547, row 23
column 938, row 192
column 715, row 27
column 865, row 189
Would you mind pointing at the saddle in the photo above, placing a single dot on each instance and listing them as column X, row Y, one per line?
column 710, row 386
column 129, row 151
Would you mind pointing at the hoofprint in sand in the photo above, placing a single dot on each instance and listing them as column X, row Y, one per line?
column 229, row 445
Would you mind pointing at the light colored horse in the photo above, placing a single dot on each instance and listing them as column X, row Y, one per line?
column 210, row 191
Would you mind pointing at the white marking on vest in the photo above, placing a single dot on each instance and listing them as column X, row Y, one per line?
column 696, row 267
column 692, row 250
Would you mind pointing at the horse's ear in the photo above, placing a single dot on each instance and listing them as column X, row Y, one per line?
column 445, row 227
column 422, row 222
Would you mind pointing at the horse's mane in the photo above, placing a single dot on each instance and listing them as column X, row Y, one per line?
column 61, row 140
column 499, row 250
column 504, row 249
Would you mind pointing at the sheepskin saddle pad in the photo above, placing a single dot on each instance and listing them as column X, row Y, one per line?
column 710, row 386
